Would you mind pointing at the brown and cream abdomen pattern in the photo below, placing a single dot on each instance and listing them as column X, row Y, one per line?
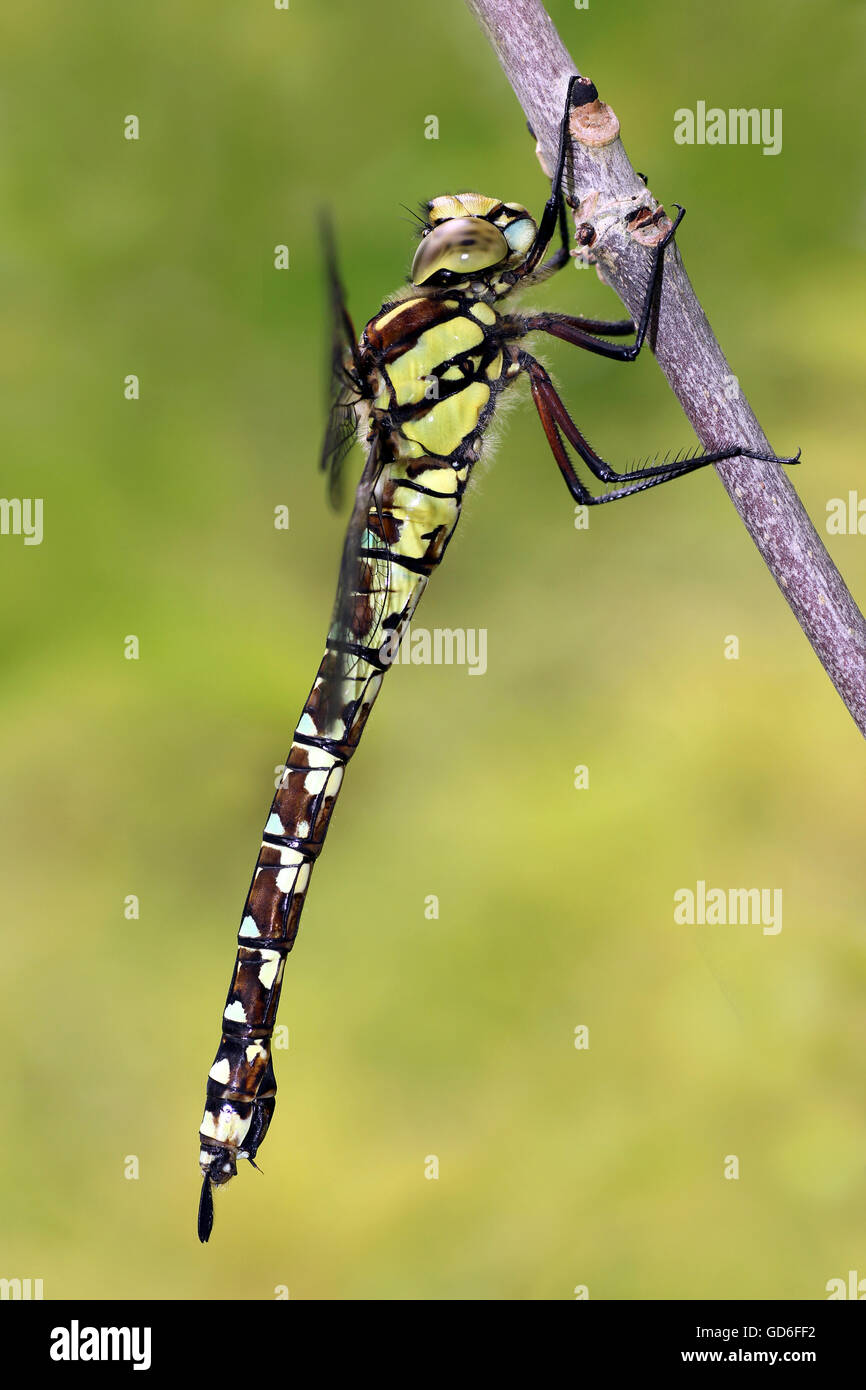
column 419, row 503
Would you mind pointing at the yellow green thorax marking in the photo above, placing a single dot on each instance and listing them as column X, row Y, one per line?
column 449, row 422
column 435, row 362
column 412, row 372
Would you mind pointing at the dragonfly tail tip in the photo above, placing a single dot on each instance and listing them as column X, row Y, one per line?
column 205, row 1211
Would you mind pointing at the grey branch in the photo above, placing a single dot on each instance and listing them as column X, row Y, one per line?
column 601, row 185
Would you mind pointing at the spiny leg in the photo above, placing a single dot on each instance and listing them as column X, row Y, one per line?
column 544, row 271
column 616, row 329
column 579, row 492
column 575, row 328
column 554, row 208
column 579, row 331
column 613, row 328
column 559, row 258
column 537, row 276
column 554, row 417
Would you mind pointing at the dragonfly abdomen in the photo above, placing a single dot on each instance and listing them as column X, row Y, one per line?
column 412, row 517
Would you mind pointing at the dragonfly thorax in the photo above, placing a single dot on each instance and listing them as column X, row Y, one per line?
column 468, row 235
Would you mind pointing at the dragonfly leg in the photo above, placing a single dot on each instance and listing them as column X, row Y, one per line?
column 580, row 332
column 554, row 209
column 548, row 268
column 529, row 272
column 616, row 328
column 557, row 422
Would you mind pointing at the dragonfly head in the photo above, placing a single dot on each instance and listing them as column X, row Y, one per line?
column 466, row 236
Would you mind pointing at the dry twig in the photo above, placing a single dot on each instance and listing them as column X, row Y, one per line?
column 602, row 186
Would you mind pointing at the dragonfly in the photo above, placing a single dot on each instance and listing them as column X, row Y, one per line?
column 418, row 389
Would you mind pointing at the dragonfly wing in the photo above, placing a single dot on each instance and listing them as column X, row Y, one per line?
column 341, row 374
column 362, row 587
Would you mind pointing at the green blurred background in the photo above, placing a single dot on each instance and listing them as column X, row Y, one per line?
column 412, row 1037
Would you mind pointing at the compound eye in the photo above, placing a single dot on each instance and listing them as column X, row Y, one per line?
column 520, row 235
column 462, row 245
